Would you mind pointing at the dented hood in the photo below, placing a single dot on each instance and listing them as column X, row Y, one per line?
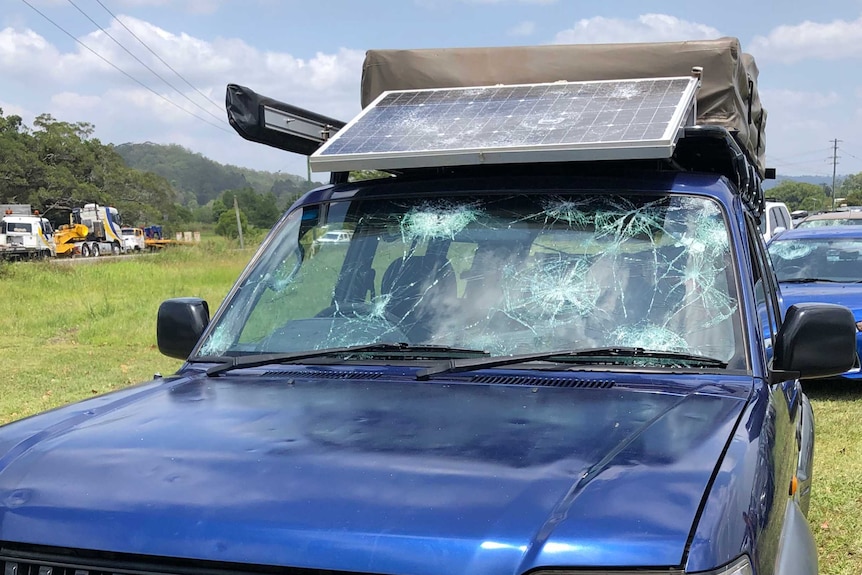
column 375, row 476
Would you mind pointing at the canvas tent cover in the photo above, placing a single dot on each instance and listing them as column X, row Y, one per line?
column 728, row 95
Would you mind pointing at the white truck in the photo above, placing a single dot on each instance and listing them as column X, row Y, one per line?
column 24, row 233
column 134, row 239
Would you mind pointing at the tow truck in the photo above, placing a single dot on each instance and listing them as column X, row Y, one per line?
column 25, row 233
column 92, row 230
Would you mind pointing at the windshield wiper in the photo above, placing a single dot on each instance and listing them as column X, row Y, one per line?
column 569, row 356
column 809, row 281
column 228, row 363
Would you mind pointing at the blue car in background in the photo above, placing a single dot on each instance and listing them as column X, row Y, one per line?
column 822, row 264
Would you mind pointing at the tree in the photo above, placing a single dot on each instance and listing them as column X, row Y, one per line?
column 17, row 160
column 226, row 225
column 799, row 195
column 851, row 190
column 261, row 209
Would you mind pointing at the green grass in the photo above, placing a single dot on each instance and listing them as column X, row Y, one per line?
column 70, row 331
column 836, row 501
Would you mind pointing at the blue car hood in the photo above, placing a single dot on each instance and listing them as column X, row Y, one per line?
column 381, row 476
column 846, row 294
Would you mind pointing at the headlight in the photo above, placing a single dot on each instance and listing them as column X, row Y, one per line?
column 741, row 566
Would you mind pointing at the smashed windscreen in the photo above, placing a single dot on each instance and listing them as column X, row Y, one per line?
column 837, row 259
column 507, row 273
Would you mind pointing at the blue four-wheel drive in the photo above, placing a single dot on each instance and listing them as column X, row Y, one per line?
column 822, row 264
column 539, row 351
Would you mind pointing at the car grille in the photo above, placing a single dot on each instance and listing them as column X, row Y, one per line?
column 39, row 560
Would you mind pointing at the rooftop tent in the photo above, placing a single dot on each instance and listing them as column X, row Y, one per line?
column 728, row 95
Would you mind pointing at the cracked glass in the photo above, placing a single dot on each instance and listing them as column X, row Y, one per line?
column 503, row 272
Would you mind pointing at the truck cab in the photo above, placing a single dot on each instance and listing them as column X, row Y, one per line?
column 26, row 236
column 133, row 239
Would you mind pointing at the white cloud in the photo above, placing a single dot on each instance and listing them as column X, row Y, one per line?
column 798, row 140
column 16, row 110
column 70, row 103
column 800, row 100
column 647, row 28
column 834, row 40
column 526, row 28
column 76, row 86
column 25, row 54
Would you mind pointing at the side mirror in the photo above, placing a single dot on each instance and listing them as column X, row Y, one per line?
column 179, row 325
column 816, row 340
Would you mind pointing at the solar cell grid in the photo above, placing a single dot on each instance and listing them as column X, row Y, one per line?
column 461, row 125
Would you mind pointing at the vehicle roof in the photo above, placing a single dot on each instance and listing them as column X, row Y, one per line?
column 845, row 215
column 823, row 232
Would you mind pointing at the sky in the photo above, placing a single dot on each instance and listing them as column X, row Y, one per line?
column 156, row 70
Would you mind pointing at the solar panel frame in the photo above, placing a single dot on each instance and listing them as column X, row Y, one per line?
column 453, row 109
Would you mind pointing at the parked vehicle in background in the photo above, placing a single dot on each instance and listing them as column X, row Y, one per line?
column 24, row 233
column 134, row 239
column 92, row 230
column 540, row 352
column 842, row 218
column 776, row 219
column 822, row 264
column 335, row 237
column 798, row 215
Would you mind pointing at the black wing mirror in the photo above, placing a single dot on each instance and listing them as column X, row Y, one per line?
column 179, row 325
column 816, row 340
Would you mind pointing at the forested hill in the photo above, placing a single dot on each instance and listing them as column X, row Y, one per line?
column 198, row 178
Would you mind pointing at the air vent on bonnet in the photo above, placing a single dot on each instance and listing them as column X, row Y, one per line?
column 326, row 374
column 543, row 381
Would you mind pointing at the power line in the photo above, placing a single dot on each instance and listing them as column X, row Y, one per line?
column 784, row 159
column 821, row 161
column 123, row 72
column 142, row 63
column 851, row 155
column 169, row 67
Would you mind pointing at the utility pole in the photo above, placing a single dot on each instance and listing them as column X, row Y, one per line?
column 238, row 222
column 834, row 165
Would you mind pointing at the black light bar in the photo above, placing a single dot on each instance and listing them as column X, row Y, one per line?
column 267, row 121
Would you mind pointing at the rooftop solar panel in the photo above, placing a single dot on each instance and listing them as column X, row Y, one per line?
column 563, row 121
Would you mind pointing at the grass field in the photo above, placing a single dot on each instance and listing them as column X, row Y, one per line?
column 70, row 331
column 76, row 329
